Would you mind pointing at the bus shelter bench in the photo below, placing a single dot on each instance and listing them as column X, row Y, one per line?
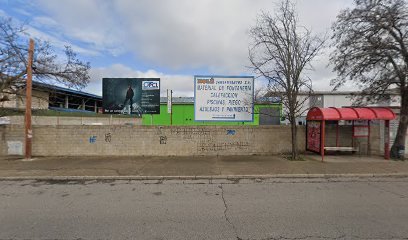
column 341, row 149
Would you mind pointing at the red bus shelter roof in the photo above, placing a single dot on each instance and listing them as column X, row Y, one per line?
column 361, row 113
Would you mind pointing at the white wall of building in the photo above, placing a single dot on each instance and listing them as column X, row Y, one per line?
column 39, row 100
column 337, row 100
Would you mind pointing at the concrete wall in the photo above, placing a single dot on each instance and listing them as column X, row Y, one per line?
column 57, row 120
column 150, row 140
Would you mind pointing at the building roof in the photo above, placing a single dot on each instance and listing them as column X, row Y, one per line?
column 350, row 93
column 45, row 86
column 362, row 113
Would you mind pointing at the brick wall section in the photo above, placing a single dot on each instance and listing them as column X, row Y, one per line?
column 153, row 140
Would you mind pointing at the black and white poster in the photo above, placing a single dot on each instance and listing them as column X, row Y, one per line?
column 131, row 95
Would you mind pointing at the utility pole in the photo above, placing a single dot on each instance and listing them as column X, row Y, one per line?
column 28, row 129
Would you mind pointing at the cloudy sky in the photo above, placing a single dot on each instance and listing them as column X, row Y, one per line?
column 170, row 39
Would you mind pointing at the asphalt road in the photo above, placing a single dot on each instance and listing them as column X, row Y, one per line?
column 246, row 209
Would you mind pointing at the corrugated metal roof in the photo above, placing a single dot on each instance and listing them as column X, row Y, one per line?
column 351, row 93
column 62, row 89
column 360, row 113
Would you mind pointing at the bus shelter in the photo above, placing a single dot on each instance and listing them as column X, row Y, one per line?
column 316, row 126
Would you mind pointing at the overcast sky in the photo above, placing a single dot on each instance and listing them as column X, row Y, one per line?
column 170, row 39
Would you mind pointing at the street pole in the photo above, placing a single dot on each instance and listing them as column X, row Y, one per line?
column 28, row 129
column 387, row 140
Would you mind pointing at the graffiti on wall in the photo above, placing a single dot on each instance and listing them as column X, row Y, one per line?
column 230, row 132
column 163, row 140
column 92, row 139
column 108, row 137
column 207, row 140
column 191, row 133
column 206, row 147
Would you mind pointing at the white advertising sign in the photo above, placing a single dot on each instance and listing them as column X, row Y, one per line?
column 169, row 100
column 223, row 98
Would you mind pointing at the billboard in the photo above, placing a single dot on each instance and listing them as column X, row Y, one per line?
column 223, row 98
column 131, row 95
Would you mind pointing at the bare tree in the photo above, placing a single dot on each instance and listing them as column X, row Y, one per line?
column 281, row 52
column 47, row 66
column 371, row 43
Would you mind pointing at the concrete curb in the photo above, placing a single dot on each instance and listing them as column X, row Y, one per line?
column 215, row 177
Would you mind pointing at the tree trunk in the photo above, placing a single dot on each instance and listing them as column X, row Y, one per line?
column 399, row 143
column 293, row 129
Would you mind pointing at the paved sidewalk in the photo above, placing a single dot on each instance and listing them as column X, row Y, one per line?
column 198, row 166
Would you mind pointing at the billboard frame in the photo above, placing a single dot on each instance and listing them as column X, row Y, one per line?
column 224, row 76
column 133, row 79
